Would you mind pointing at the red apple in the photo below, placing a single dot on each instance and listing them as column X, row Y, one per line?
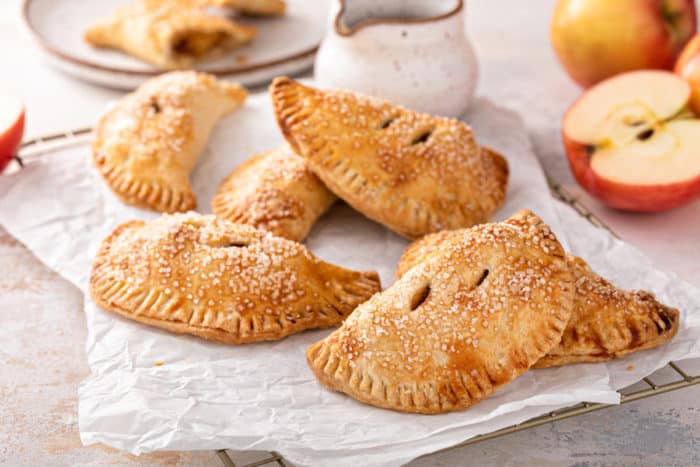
column 632, row 143
column 11, row 127
column 688, row 66
column 596, row 39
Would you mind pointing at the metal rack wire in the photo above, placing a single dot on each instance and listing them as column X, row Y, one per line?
column 681, row 379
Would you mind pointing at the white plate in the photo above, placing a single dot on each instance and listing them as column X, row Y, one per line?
column 284, row 45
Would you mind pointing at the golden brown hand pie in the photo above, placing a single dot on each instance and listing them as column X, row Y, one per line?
column 148, row 143
column 456, row 328
column 170, row 34
column 253, row 7
column 232, row 283
column 414, row 173
column 606, row 323
column 275, row 191
column 609, row 322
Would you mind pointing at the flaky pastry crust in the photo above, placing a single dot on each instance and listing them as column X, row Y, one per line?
column 607, row 322
column 170, row 34
column 231, row 283
column 415, row 173
column 275, row 191
column 456, row 328
column 146, row 146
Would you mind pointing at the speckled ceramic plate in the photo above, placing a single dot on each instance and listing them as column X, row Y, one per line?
column 284, row 45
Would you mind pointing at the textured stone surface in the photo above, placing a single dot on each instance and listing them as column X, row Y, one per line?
column 42, row 361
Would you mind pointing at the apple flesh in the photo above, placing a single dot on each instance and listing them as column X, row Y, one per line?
column 596, row 39
column 688, row 66
column 631, row 142
column 11, row 127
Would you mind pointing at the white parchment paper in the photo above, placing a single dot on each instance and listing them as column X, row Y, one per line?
column 151, row 390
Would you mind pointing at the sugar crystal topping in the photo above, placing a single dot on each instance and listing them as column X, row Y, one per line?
column 159, row 114
column 489, row 283
column 408, row 144
column 273, row 189
column 378, row 151
column 216, row 265
column 593, row 292
column 156, row 121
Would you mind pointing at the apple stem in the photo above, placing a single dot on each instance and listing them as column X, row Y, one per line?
column 19, row 161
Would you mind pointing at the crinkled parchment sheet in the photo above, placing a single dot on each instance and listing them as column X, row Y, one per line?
column 263, row 396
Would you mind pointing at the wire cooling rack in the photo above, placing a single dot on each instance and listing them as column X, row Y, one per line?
column 676, row 378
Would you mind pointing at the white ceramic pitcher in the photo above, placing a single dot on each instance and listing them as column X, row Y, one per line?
column 410, row 52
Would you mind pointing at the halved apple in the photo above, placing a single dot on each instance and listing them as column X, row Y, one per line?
column 632, row 142
column 11, row 127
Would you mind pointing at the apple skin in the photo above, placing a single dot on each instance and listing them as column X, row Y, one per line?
column 688, row 66
column 10, row 141
column 638, row 198
column 596, row 39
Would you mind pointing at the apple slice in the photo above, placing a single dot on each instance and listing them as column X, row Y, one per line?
column 632, row 142
column 11, row 127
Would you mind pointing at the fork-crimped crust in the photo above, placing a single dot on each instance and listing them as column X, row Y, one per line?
column 232, row 283
column 456, row 328
column 415, row 173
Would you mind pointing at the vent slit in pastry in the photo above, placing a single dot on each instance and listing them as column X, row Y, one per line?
column 459, row 343
column 385, row 123
column 155, row 106
column 235, row 245
column 188, row 273
column 378, row 157
column 147, row 144
column 482, row 278
column 422, row 137
column 419, row 297
column 607, row 322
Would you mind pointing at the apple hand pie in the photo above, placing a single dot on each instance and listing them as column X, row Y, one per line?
column 606, row 322
column 415, row 173
column 456, row 328
column 253, row 7
column 148, row 143
column 231, row 283
column 274, row 191
column 170, row 34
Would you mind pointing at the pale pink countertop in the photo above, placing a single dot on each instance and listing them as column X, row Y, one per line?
column 42, row 359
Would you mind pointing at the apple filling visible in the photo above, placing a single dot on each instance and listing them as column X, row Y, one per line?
column 196, row 44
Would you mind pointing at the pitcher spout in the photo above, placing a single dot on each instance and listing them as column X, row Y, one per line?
column 354, row 15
